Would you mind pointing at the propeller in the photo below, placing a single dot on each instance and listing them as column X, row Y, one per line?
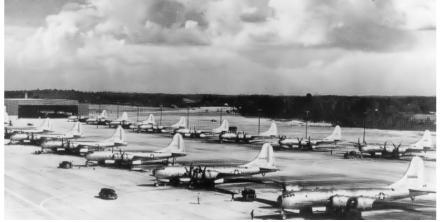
column 300, row 142
column 396, row 150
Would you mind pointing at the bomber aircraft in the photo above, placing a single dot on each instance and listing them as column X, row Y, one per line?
column 101, row 119
column 175, row 149
column 349, row 203
column 243, row 137
column 84, row 147
column 204, row 175
column 311, row 144
column 397, row 151
column 27, row 134
column 123, row 121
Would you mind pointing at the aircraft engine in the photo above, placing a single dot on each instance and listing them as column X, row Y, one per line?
column 211, row 174
column 361, row 203
column 19, row 136
column 338, row 201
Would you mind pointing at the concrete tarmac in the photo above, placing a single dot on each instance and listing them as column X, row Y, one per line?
column 36, row 189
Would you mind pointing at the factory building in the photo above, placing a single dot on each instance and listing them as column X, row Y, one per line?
column 52, row 108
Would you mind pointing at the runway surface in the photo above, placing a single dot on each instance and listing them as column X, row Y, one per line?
column 36, row 189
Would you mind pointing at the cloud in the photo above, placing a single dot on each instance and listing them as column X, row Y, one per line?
column 271, row 46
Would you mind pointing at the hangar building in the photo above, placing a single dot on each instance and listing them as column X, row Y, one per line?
column 53, row 108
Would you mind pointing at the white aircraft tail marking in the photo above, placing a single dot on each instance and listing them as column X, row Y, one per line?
column 265, row 159
column 426, row 141
column 103, row 114
column 76, row 129
column 181, row 124
column 150, row 120
column 6, row 117
column 124, row 117
column 223, row 127
column 272, row 131
column 336, row 134
column 414, row 177
column 176, row 146
column 119, row 136
column 46, row 125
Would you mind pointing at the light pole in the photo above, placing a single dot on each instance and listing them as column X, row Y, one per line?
column 188, row 116
column 160, row 116
column 258, row 125
column 137, row 114
column 306, row 128
column 364, row 123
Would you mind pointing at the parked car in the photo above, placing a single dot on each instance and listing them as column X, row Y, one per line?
column 108, row 194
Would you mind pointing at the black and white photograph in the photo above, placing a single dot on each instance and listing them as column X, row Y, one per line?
column 220, row 109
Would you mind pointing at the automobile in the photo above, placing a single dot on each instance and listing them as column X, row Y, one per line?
column 65, row 165
column 107, row 194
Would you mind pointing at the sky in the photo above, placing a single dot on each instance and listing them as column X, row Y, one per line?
column 279, row 47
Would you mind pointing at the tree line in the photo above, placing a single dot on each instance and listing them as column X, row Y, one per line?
column 387, row 112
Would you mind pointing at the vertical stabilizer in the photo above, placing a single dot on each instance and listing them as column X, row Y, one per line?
column 223, row 127
column 181, row 124
column 414, row 177
column 425, row 142
column 265, row 159
column 124, row 117
column 76, row 130
column 119, row 136
column 46, row 125
column 336, row 134
column 176, row 146
column 103, row 115
column 150, row 120
column 272, row 131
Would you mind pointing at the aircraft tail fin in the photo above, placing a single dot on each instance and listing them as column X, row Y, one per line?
column 46, row 125
column 425, row 141
column 181, row 124
column 336, row 134
column 151, row 120
column 76, row 129
column 223, row 127
column 124, row 117
column 272, row 131
column 103, row 114
column 119, row 135
column 176, row 146
column 6, row 117
column 413, row 178
column 265, row 159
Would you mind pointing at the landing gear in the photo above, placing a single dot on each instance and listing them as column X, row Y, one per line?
column 352, row 214
column 306, row 211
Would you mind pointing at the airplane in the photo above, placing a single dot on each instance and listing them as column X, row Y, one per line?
column 74, row 118
column 350, row 202
column 237, row 137
column 23, row 134
column 101, row 119
column 84, row 147
column 175, row 149
column 121, row 121
column 211, row 175
column 311, row 144
column 148, row 125
column 423, row 145
column 39, row 138
column 224, row 127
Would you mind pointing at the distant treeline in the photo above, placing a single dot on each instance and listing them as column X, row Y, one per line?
column 389, row 112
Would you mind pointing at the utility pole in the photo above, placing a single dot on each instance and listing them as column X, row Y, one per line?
column 220, row 118
column 188, row 116
column 137, row 114
column 258, row 125
column 117, row 111
column 160, row 116
column 306, row 129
